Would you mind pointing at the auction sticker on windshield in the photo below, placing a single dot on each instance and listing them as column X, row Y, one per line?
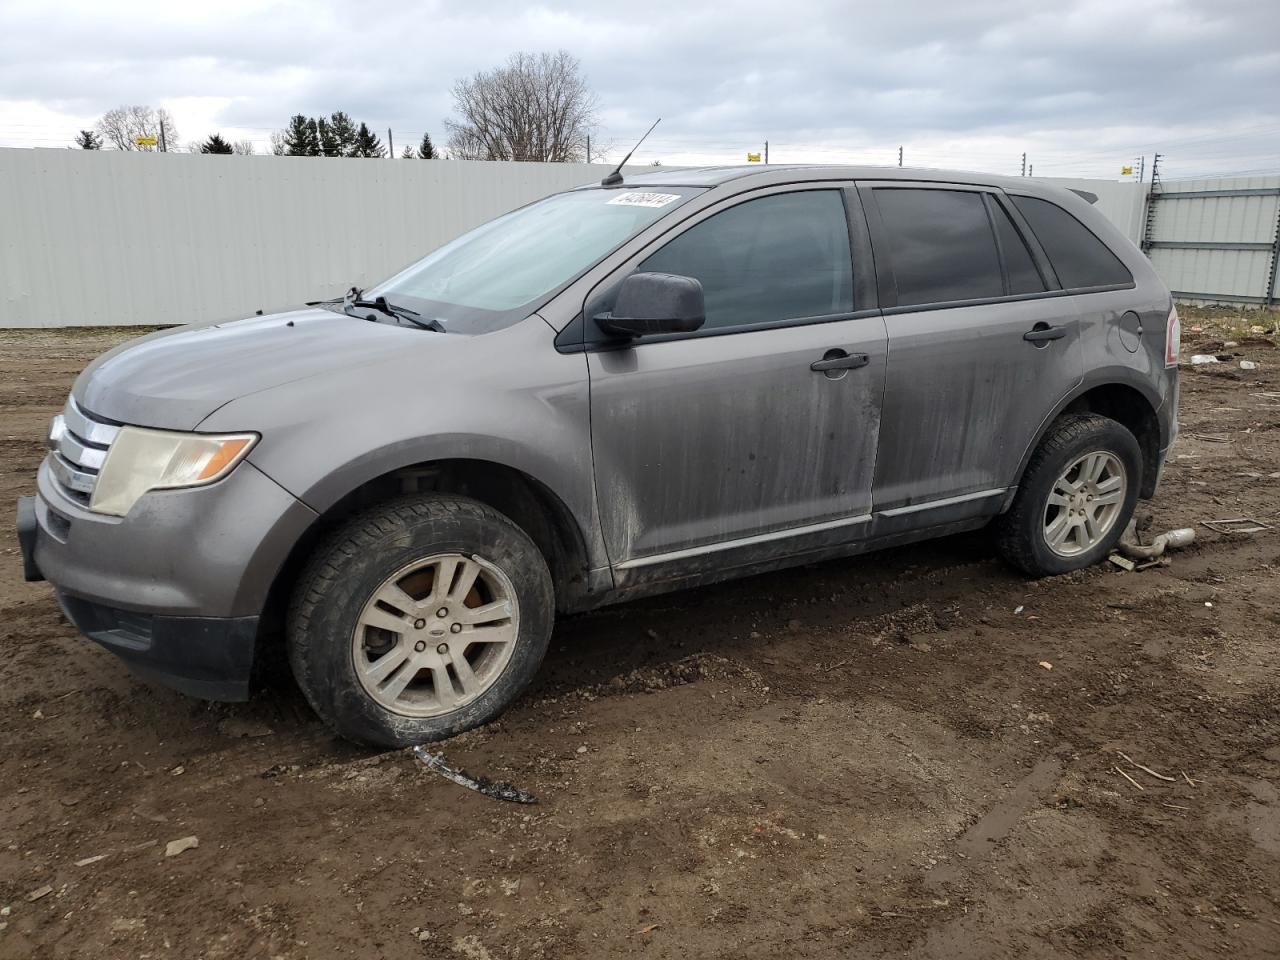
column 633, row 199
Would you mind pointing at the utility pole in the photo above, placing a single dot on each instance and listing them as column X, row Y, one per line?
column 163, row 146
column 1142, row 168
column 766, row 153
column 391, row 145
column 1024, row 163
column 899, row 155
column 588, row 148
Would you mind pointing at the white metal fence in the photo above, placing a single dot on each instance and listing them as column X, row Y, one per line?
column 104, row 238
column 1217, row 240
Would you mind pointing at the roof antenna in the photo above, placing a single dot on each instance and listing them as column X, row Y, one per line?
column 616, row 176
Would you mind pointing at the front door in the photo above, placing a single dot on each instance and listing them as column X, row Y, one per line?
column 725, row 446
column 980, row 347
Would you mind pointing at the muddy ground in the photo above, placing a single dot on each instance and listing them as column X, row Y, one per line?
column 909, row 754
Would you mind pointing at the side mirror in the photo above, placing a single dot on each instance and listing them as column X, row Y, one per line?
column 655, row 303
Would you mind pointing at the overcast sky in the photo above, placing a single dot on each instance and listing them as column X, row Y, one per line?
column 1080, row 86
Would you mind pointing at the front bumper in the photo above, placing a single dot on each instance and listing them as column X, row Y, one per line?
column 176, row 588
column 206, row 657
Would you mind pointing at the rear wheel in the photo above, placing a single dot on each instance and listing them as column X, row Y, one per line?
column 419, row 619
column 1076, row 497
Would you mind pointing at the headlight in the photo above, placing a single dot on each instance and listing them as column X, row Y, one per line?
column 141, row 460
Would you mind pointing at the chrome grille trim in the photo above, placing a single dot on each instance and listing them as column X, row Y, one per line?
column 70, row 477
column 78, row 445
column 92, row 431
column 81, row 454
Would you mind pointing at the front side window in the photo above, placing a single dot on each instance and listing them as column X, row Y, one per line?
column 941, row 245
column 780, row 257
column 492, row 276
column 1079, row 258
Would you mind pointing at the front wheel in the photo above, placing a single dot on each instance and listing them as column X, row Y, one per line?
column 1076, row 497
column 418, row 619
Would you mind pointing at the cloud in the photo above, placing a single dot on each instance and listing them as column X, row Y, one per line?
column 1079, row 85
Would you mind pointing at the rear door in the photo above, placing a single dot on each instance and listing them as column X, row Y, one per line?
column 726, row 447
column 982, row 344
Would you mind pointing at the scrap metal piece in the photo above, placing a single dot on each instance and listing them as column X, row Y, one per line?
column 1129, row 546
column 490, row 788
column 1236, row 525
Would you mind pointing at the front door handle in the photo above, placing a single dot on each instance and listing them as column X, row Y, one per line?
column 839, row 360
column 1043, row 332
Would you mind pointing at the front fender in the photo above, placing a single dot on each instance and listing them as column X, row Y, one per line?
column 506, row 397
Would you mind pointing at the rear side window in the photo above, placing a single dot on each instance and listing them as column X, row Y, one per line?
column 941, row 244
column 1023, row 275
column 780, row 257
column 1079, row 258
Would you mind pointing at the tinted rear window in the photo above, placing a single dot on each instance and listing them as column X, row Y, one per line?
column 942, row 245
column 1079, row 258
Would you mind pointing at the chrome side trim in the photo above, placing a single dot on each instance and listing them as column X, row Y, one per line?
column 944, row 502
column 743, row 542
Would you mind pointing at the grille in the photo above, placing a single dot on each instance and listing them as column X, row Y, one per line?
column 78, row 445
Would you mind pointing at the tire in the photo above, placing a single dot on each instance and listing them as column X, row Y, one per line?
column 419, row 551
column 1073, row 444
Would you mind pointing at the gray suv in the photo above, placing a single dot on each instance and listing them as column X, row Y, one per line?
column 620, row 390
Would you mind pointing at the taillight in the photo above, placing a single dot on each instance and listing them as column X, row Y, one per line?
column 1172, row 338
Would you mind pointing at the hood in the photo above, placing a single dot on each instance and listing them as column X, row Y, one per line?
column 175, row 378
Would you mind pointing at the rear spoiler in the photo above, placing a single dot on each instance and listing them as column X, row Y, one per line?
column 1084, row 195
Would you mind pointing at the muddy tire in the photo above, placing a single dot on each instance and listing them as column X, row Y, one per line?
column 1075, row 499
column 418, row 619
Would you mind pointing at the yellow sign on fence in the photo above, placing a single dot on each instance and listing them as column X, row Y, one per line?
column 1126, row 171
column 753, row 158
column 145, row 141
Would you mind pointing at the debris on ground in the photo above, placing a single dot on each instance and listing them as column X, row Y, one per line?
column 490, row 788
column 88, row 860
column 236, row 728
column 1149, row 555
column 1046, row 664
column 1199, row 358
column 1248, row 365
column 39, row 893
column 1144, row 768
column 1236, row 525
column 181, row 845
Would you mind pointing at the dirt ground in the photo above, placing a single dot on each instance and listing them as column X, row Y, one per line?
column 914, row 754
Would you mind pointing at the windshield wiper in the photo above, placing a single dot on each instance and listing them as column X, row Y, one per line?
column 352, row 299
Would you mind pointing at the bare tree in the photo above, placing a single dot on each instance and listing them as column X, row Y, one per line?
column 536, row 107
column 244, row 148
column 121, row 127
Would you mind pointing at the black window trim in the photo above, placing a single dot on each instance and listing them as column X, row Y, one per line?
column 860, row 249
column 1096, row 288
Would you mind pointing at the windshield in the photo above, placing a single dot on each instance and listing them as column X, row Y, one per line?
column 492, row 276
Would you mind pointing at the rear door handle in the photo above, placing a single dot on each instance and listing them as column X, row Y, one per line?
column 839, row 360
column 1043, row 332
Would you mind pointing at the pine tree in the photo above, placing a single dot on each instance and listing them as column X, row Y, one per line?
column 343, row 134
column 329, row 146
column 88, row 140
column 367, row 144
column 300, row 138
column 215, row 144
column 426, row 149
column 407, row 154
